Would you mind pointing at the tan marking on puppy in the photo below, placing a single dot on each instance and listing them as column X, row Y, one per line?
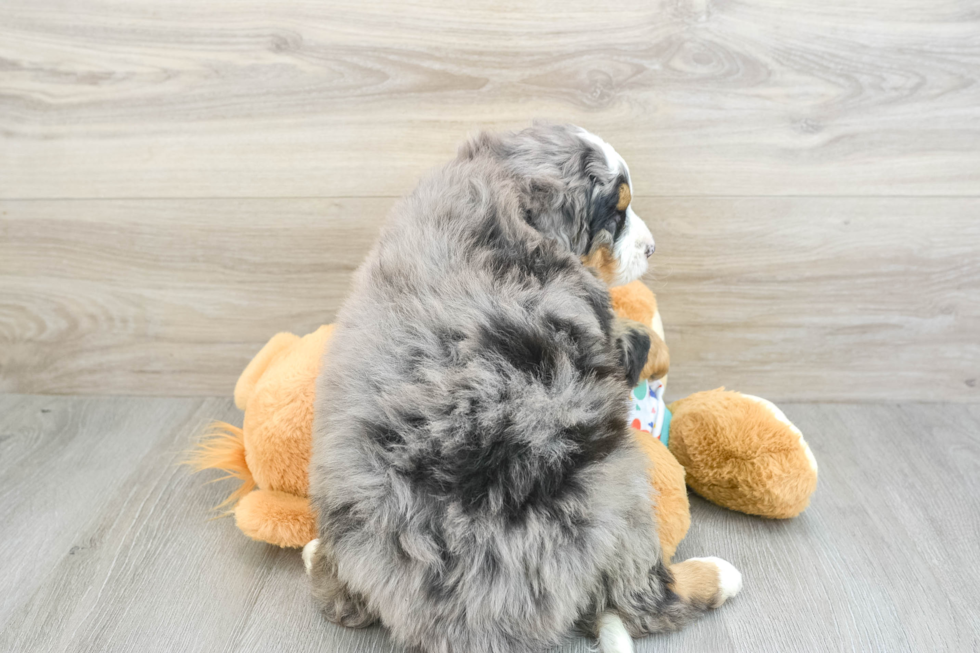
column 624, row 197
column 697, row 581
column 710, row 581
column 602, row 260
column 669, row 495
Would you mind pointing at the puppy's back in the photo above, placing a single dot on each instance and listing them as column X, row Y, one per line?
column 469, row 467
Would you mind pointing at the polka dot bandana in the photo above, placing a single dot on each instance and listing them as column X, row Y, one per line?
column 647, row 408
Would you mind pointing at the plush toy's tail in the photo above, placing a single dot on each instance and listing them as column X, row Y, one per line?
column 266, row 515
column 223, row 447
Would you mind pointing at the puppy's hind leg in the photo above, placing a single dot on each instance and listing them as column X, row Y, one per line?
column 308, row 551
column 705, row 581
column 338, row 603
column 698, row 584
column 612, row 634
column 674, row 596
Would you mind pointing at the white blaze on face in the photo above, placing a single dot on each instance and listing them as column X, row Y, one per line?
column 635, row 243
column 632, row 249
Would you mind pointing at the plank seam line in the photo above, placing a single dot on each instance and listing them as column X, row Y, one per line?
column 392, row 197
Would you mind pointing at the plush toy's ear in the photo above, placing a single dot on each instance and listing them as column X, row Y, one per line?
column 258, row 365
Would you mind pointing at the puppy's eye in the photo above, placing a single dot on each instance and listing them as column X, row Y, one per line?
column 624, row 197
column 616, row 221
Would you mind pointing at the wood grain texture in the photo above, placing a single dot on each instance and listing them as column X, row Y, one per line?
column 819, row 298
column 107, row 545
column 167, row 297
column 194, row 177
column 146, row 98
column 791, row 298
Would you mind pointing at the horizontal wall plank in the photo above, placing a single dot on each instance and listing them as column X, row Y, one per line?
column 792, row 298
column 178, row 98
column 165, row 297
column 816, row 298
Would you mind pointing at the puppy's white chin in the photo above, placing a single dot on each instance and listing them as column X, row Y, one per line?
column 630, row 270
column 631, row 250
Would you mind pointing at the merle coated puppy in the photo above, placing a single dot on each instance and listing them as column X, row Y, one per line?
column 475, row 482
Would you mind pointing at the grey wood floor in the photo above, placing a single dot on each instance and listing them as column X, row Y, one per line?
column 106, row 544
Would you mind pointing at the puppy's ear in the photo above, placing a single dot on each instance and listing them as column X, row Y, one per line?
column 634, row 346
column 550, row 208
column 484, row 143
column 644, row 353
column 658, row 360
column 543, row 193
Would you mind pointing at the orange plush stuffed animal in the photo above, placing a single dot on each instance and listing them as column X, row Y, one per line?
column 735, row 450
column 270, row 454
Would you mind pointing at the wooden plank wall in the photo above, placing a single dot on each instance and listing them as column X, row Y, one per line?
column 179, row 180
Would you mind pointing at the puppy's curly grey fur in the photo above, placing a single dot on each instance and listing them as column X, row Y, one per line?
column 475, row 483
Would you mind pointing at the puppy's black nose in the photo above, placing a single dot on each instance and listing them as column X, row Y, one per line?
column 651, row 248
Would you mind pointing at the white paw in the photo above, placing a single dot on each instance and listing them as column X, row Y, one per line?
column 613, row 637
column 310, row 549
column 729, row 578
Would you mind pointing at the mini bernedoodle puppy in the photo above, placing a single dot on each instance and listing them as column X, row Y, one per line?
column 476, row 486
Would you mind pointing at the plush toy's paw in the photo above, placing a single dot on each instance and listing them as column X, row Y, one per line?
column 276, row 517
column 781, row 417
column 741, row 453
column 308, row 552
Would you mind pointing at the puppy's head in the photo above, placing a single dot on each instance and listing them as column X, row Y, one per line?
column 576, row 189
